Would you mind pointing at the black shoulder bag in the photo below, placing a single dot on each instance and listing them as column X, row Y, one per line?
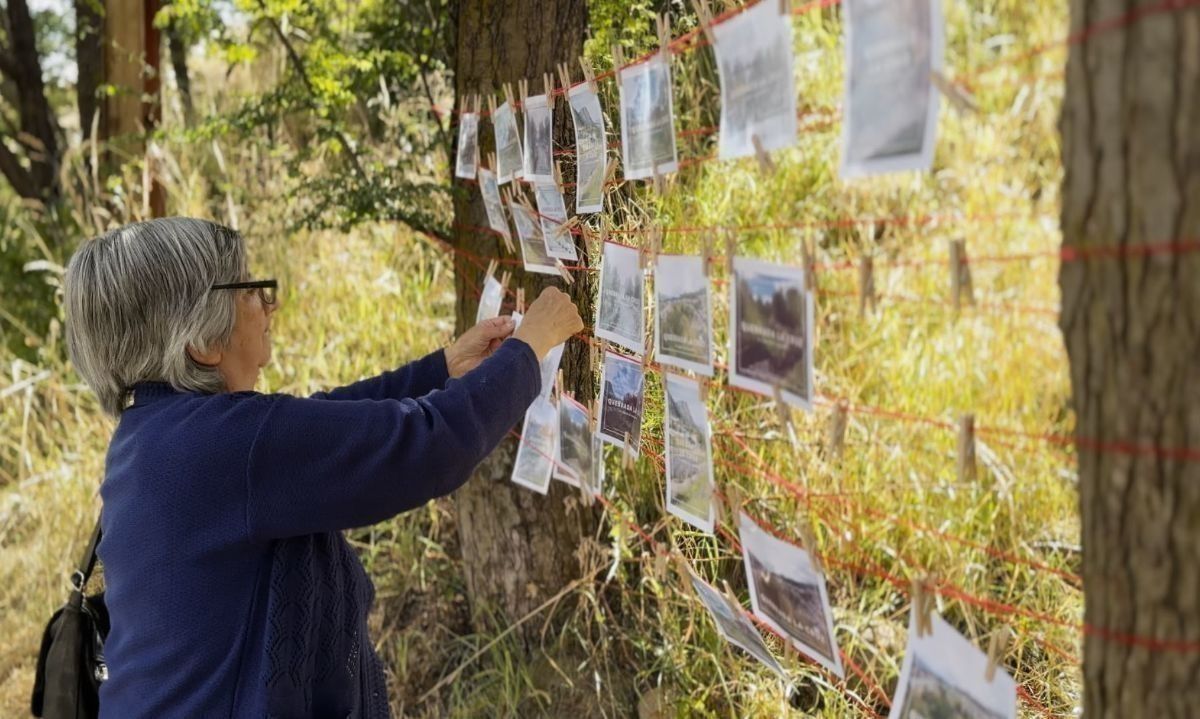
column 70, row 666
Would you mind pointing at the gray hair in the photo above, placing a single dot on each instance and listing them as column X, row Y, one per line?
column 139, row 296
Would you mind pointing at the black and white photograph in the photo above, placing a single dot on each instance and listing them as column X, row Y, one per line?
column 620, row 313
column 549, row 364
column 770, row 331
column 943, row 676
column 560, row 242
column 622, row 384
column 533, row 246
column 756, row 67
column 647, row 119
column 468, row 146
column 575, row 443
column 591, row 149
column 733, row 625
column 683, row 314
column 508, row 144
column 789, row 594
column 538, row 162
column 535, row 453
column 689, row 453
column 490, row 300
column 490, row 190
column 891, row 105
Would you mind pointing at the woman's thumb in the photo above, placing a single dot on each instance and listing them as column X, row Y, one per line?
column 496, row 327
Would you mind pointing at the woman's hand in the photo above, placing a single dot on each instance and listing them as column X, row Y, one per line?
column 551, row 319
column 476, row 345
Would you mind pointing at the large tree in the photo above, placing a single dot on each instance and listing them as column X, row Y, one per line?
column 518, row 547
column 1131, row 323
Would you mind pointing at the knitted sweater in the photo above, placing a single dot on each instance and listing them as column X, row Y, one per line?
column 231, row 590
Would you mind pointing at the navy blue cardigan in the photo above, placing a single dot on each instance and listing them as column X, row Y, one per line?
column 231, row 589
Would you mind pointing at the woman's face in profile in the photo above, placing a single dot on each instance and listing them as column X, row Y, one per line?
column 249, row 347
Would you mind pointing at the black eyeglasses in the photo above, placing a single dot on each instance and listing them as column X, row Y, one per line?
column 266, row 289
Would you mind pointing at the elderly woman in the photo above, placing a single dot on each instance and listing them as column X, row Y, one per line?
column 231, row 590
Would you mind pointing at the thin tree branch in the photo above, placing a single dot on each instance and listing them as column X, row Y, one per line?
column 17, row 176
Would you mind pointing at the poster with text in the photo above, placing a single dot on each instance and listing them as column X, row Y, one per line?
column 468, row 146
column 591, row 149
column 508, row 144
column 538, row 161
column 620, row 313
column 622, row 384
column 683, row 314
column 689, row 453
column 647, row 119
column 770, row 331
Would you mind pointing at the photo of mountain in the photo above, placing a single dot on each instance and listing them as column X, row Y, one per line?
column 733, row 625
column 647, row 119
column 535, row 454
column 575, row 444
column 683, row 314
column 771, row 331
column 508, row 144
column 468, row 146
column 591, row 149
column 560, row 242
column 689, row 453
column 619, row 317
column 533, row 246
column 490, row 189
column 930, row 696
column 622, row 384
column 538, row 158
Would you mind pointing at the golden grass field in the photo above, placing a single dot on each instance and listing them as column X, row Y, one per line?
column 363, row 300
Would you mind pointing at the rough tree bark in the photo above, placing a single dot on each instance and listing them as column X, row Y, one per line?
column 89, row 60
column 518, row 547
column 1131, row 323
column 37, row 133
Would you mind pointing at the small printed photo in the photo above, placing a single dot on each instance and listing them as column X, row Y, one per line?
column 549, row 364
column 683, row 314
column 591, row 149
column 789, row 594
column 620, row 315
column 508, row 144
column 891, row 105
column 689, row 453
column 622, row 385
column 535, row 453
column 770, row 331
column 533, row 245
column 490, row 300
column 468, row 146
column 575, row 442
column 647, row 119
column 560, row 242
column 733, row 625
column 490, row 190
column 538, row 161
column 943, row 676
column 758, row 85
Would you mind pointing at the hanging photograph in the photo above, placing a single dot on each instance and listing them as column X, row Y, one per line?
column 647, row 120
column 533, row 247
column 758, row 86
column 682, row 314
column 535, row 452
column 468, row 146
column 490, row 190
column 508, row 144
column 789, row 594
column 619, row 317
column 689, row 453
column 891, row 105
column 943, row 675
column 770, row 331
column 733, row 625
column 490, row 300
column 538, row 163
column 591, row 149
column 622, row 383
column 575, row 443
column 560, row 242
column 549, row 364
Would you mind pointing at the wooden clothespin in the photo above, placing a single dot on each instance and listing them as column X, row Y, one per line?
column 729, row 253
column 809, row 537
column 704, row 17
column 548, row 81
column 594, row 358
column 508, row 96
column 732, row 504
column 790, row 652
column 523, row 88
column 966, row 448
column 960, row 275
column 730, row 595
column 491, row 102
column 660, row 568
column 627, row 458
column 765, row 164
column 558, row 383
column 809, row 256
column 664, row 35
column 685, row 573
column 492, row 161
column 478, row 103
column 618, row 54
column 703, row 383
column 866, row 284
column 650, row 247
column 837, row 431
column 562, row 270
column 922, row 604
column 658, row 181
column 959, row 96
column 593, row 420
column 784, row 412
column 647, row 356
column 996, row 647
column 589, row 75
column 610, row 170
column 564, row 76
column 520, row 307
column 491, row 270
column 785, row 7
column 708, row 254
column 504, row 278
column 558, row 176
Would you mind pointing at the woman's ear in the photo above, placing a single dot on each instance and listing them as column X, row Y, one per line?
column 211, row 358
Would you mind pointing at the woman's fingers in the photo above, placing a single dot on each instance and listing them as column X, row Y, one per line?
column 495, row 328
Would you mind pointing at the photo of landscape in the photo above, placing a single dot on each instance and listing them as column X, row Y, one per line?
column 508, row 144
column 929, row 696
column 758, row 88
column 733, row 625
column 468, row 146
column 771, row 331
column 535, row 453
column 560, row 242
column 683, row 316
column 689, row 453
column 538, row 159
column 490, row 190
column 619, row 317
column 591, row 149
column 533, row 246
column 622, row 383
column 647, row 121
column 575, row 444
column 489, row 300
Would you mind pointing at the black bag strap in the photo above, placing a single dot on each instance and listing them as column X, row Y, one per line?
column 87, row 562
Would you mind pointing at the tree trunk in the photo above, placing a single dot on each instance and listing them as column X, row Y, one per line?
column 519, row 548
column 179, row 49
column 89, row 61
column 38, row 128
column 1131, row 323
